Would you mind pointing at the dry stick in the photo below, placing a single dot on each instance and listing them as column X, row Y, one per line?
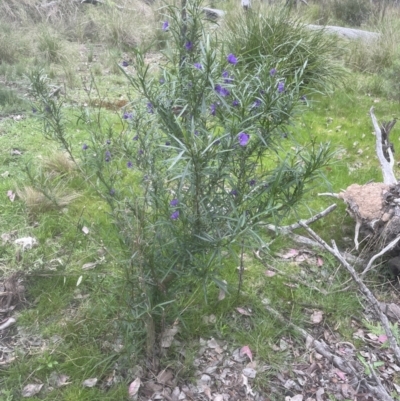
column 288, row 229
column 386, row 167
column 322, row 348
column 363, row 288
column 387, row 248
column 333, row 195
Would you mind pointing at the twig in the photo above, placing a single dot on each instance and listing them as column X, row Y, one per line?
column 363, row 288
column 379, row 391
column 333, row 195
column 387, row 248
column 288, row 229
column 386, row 167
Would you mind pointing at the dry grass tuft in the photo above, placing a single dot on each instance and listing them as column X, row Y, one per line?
column 59, row 164
column 42, row 201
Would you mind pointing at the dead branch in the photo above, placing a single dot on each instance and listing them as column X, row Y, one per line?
column 288, row 229
column 386, row 167
column 387, row 248
column 345, row 366
column 333, row 195
column 362, row 287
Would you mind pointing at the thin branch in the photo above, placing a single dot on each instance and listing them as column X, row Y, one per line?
column 387, row 248
column 363, row 288
column 379, row 391
column 333, row 195
column 288, row 229
column 386, row 167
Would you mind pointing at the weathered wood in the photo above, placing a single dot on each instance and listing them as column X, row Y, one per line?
column 347, row 33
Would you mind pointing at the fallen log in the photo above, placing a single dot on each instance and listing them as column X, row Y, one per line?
column 375, row 206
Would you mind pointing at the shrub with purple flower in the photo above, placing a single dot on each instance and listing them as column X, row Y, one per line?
column 221, row 90
column 243, row 138
column 232, row 59
column 187, row 207
column 175, row 215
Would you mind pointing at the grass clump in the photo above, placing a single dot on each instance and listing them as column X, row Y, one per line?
column 282, row 41
column 43, row 200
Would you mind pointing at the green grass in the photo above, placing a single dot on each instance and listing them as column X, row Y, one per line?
column 93, row 319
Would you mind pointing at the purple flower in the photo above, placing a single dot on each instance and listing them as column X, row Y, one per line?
column 174, row 202
column 303, row 99
column 165, row 26
column 217, row 142
column 175, row 215
column 235, row 103
column 189, row 46
column 167, row 143
column 150, row 108
column 228, row 78
column 232, row 59
column 243, row 138
column 213, row 109
column 112, row 191
column 221, row 90
column 234, row 192
column 196, row 133
column 34, row 110
column 108, row 156
column 127, row 116
column 257, row 103
column 140, row 151
column 162, row 80
column 108, row 141
column 252, row 183
column 84, row 146
column 272, row 72
column 125, row 64
column 281, row 87
column 198, row 66
column 129, row 164
column 135, row 138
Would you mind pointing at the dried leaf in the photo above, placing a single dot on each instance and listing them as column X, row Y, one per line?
column 11, row 195
column 79, row 281
column 320, row 261
column 221, row 294
column 291, row 253
column 90, row 382
column 249, row 372
column 341, row 374
column 245, row 350
column 134, row 387
column 297, row 397
column 58, row 380
column 270, row 273
column 10, row 321
column 243, row 311
column 85, row 230
column 168, row 336
column 31, row 389
column 316, row 317
column 90, row 265
column 26, row 242
column 165, row 376
column 5, row 174
column 382, row 338
column 319, row 394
